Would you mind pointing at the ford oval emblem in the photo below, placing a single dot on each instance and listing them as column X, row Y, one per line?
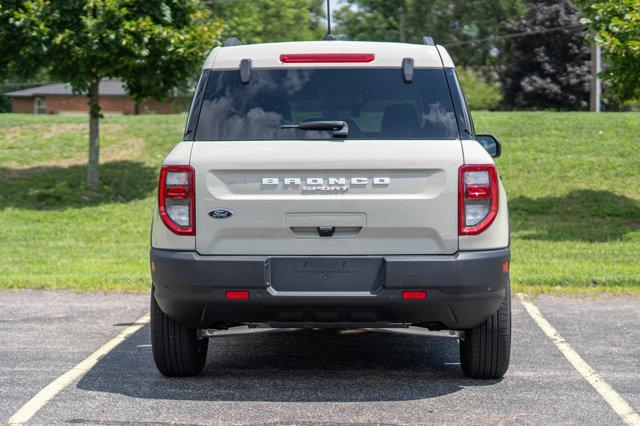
column 221, row 213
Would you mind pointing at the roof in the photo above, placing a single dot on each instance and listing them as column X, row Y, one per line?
column 267, row 55
column 108, row 87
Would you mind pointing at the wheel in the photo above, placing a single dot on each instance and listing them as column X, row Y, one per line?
column 486, row 348
column 177, row 351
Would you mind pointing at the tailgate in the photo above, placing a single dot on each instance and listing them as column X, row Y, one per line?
column 357, row 197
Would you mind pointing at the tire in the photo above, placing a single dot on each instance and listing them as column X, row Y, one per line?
column 177, row 351
column 486, row 348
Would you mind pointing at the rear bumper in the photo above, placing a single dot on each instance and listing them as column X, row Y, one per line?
column 462, row 289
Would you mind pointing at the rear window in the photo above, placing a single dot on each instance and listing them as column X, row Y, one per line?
column 375, row 103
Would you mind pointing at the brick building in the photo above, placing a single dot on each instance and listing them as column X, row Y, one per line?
column 60, row 99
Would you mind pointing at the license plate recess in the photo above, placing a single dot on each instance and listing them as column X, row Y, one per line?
column 325, row 274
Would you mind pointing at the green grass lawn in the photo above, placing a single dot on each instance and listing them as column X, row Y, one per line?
column 573, row 181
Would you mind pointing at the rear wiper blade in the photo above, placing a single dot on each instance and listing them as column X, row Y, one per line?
column 339, row 128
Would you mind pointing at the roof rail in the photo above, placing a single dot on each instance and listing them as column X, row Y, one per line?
column 232, row 41
column 428, row 41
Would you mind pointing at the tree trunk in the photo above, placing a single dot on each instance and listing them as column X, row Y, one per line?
column 93, row 167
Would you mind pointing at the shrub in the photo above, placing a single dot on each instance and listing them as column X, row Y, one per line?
column 480, row 94
column 550, row 69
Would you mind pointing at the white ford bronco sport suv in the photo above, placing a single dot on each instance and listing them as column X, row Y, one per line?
column 330, row 184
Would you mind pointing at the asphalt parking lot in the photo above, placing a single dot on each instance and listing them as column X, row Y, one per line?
column 312, row 376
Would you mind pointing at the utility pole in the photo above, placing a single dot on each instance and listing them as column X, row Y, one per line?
column 596, row 85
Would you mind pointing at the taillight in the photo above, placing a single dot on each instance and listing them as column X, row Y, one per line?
column 177, row 199
column 477, row 198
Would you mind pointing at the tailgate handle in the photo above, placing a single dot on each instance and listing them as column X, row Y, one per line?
column 326, row 225
column 326, row 231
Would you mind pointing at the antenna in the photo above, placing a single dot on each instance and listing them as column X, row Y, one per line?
column 329, row 36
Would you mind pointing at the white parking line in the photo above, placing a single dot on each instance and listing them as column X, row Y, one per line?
column 613, row 398
column 28, row 410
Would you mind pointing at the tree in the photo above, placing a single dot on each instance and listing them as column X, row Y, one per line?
column 467, row 27
column 616, row 25
column 478, row 92
column 264, row 21
column 151, row 45
column 549, row 68
column 372, row 20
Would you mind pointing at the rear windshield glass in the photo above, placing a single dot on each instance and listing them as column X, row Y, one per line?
column 375, row 104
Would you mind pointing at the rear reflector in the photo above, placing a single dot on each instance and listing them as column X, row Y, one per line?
column 306, row 58
column 237, row 294
column 505, row 267
column 414, row 295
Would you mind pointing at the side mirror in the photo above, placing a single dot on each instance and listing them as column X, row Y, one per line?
column 491, row 144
